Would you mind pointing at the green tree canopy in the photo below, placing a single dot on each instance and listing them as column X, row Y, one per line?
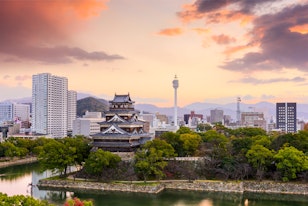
column 184, row 130
column 174, row 140
column 150, row 159
column 260, row 157
column 100, row 160
column 247, row 132
column 6, row 200
column 203, row 127
column 290, row 161
column 241, row 145
column 191, row 143
column 57, row 156
column 263, row 140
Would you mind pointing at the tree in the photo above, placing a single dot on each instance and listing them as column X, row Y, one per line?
column 216, row 143
column 262, row 140
column 100, row 160
column 184, row 130
column 150, row 159
column 191, row 143
column 6, row 200
column 57, row 156
column 10, row 150
column 247, row 132
column 241, row 145
column 81, row 144
column 260, row 157
column 174, row 140
column 203, row 127
column 290, row 161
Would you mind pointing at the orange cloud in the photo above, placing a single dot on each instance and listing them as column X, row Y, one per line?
column 235, row 49
column 190, row 13
column 38, row 29
column 223, row 39
column 201, row 30
column 42, row 20
column 171, row 32
column 303, row 29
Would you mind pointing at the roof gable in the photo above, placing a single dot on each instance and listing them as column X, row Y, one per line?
column 114, row 130
column 116, row 118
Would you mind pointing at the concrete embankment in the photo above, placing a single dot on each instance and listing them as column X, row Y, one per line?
column 18, row 162
column 208, row 186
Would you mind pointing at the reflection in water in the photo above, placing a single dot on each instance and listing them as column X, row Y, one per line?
column 206, row 203
column 15, row 180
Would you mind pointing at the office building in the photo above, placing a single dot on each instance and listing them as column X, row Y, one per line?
column 217, row 116
column 286, row 117
column 192, row 119
column 50, row 105
column 253, row 119
column 6, row 112
column 13, row 112
column 88, row 124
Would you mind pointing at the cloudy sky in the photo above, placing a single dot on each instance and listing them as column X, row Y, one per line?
column 219, row 49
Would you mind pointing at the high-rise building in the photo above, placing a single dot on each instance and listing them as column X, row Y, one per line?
column 286, row 116
column 14, row 112
column 6, row 112
column 71, row 108
column 50, row 105
column 217, row 115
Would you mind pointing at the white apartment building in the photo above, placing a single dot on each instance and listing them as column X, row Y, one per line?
column 71, row 108
column 88, row 124
column 50, row 105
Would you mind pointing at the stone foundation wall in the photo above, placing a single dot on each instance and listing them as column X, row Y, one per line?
column 209, row 186
column 97, row 186
column 18, row 162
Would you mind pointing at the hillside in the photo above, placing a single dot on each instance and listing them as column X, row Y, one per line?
column 91, row 104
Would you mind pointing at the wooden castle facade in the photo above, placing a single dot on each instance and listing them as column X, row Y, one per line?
column 122, row 131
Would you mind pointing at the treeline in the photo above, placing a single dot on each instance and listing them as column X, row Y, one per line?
column 244, row 153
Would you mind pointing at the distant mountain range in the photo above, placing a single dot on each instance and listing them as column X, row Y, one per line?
column 92, row 103
column 269, row 109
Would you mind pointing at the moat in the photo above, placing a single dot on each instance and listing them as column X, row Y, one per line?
column 23, row 179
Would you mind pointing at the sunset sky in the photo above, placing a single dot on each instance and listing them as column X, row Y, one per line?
column 219, row 49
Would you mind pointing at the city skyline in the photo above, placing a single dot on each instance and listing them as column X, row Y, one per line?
column 219, row 50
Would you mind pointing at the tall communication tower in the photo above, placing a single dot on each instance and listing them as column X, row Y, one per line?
column 175, row 83
column 238, row 111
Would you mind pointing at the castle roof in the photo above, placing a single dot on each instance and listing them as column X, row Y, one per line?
column 121, row 99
